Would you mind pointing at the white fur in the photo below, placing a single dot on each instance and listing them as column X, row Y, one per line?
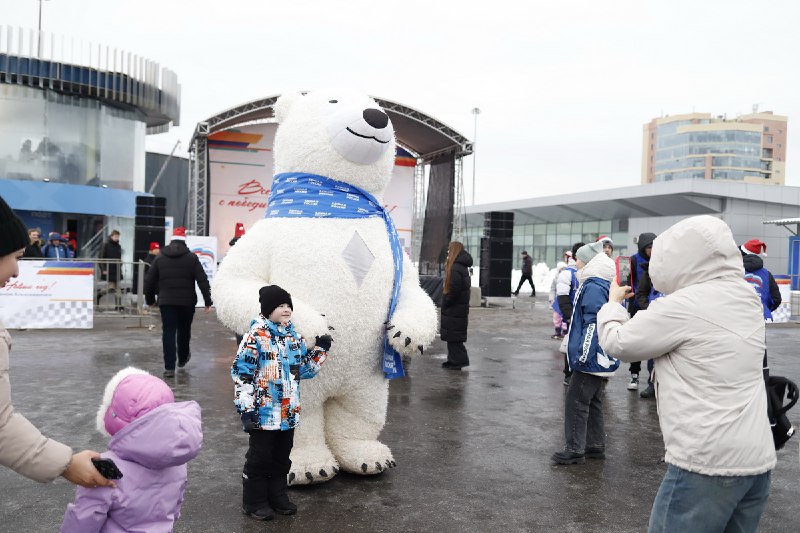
column 344, row 407
column 108, row 394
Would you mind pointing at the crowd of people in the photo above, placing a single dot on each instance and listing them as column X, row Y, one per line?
column 718, row 441
column 58, row 245
column 719, row 445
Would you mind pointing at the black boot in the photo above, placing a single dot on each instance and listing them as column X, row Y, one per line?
column 254, row 504
column 277, row 492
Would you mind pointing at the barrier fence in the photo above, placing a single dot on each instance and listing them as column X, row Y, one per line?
column 69, row 293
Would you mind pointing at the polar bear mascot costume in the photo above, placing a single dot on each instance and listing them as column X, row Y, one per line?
column 328, row 241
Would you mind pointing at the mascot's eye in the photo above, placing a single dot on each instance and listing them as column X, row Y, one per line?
column 333, row 101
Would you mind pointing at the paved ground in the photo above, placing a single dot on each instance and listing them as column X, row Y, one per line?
column 473, row 447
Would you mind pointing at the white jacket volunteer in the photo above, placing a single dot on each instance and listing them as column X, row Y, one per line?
column 707, row 338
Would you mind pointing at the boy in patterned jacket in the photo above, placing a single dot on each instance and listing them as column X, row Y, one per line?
column 271, row 361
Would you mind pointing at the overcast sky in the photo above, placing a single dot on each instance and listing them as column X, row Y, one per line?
column 564, row 87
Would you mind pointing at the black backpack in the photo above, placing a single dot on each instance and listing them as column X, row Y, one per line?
column 780, row 389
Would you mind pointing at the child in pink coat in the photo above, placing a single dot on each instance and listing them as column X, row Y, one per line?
column 152, row 439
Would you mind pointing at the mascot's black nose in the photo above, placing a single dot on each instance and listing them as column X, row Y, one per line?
column 376, row 118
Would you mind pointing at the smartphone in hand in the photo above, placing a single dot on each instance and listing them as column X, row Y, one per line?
column 107, row 468
column 623, row 264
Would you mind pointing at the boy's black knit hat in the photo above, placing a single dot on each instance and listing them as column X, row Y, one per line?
column 13, row 236
column 271, row 296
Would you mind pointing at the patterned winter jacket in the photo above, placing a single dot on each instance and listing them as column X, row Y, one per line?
column 272, row 358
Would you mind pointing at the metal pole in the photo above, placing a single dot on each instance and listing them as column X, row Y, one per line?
column 475, row 111
column 39, row 35
column 163, row 167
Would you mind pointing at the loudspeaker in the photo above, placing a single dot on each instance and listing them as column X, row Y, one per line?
column 148, row 227
column 498, row 224
column 496, row 264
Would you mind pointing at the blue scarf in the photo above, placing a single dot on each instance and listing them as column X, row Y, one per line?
column 301, row 195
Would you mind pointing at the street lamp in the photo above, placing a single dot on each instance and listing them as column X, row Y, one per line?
column 39, row 35
column 475, row 111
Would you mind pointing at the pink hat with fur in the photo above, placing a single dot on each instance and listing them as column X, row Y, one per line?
column 130, row 394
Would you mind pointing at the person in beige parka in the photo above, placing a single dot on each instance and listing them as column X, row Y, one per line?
column 22, row 447
column 707, row 338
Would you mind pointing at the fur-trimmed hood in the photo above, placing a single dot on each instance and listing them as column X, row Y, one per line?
column 130, row 394
column 601, row 266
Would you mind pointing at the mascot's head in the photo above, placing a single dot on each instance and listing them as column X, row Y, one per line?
column 337, row 134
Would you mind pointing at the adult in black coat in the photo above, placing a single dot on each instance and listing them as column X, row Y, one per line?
column 111, row 272
column 34, row 248
column 111, row 250
column 455, row 305
column 172, row 278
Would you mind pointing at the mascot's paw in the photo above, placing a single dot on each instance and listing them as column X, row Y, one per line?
column 364, row 457
column 312, row 465
column 405, row 339
column 311, row 324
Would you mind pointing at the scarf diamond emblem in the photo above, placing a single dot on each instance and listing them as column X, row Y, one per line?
column 358, row 257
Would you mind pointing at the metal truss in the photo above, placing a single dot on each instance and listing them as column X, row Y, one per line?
column 459, row 209
column 263, row 108
column 462, row 144
column 198, row 180
column 418, row 210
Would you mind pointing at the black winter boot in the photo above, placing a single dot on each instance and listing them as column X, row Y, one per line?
column 277, row 492
column 254, row 504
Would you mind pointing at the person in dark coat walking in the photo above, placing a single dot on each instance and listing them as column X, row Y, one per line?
column 455, row 305
column 172, row 278
column 527, row 274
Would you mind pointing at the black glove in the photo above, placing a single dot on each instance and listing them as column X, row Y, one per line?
column 250, row 420
column 324, row 342
column 565, row 304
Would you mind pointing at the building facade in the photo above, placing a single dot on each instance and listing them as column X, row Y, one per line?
column 750, row 148
column 547, row 227
column 73, row 122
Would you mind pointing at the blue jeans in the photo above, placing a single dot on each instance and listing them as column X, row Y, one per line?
column 689, row 502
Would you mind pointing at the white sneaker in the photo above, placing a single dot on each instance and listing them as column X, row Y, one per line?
column 634, row 384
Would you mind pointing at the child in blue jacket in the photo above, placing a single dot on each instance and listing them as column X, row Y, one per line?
column 583, row 411
column 271, row 361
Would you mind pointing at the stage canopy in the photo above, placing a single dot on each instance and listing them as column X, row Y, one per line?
column 422, row 135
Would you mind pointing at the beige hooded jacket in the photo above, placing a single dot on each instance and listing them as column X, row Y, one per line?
column 707, row 338
column 22, row 446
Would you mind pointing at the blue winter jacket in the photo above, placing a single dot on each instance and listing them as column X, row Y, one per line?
column 583, row 350
column 271, row 361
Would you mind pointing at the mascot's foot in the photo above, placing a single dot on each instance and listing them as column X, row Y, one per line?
column 312, row 465
column 365, row 457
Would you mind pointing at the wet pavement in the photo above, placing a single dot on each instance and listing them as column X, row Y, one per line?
column 472, row 446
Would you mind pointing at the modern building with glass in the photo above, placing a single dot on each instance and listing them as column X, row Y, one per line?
column 546, row 227
column 73, row 121
column 750, row 148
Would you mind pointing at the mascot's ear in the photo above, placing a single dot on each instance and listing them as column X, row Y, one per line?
column 284, row 104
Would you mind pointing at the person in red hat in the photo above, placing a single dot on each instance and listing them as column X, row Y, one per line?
column 155, row 249
column 608, row 244
column 759, row 277
column 171, row 278
column 238, row 232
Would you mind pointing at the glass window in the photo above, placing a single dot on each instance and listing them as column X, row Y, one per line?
column 539, row 229
column 590, row 226
column 550, row 256
column 81, row 141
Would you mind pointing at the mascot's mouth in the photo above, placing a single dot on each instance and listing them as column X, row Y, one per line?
column 367, row 136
